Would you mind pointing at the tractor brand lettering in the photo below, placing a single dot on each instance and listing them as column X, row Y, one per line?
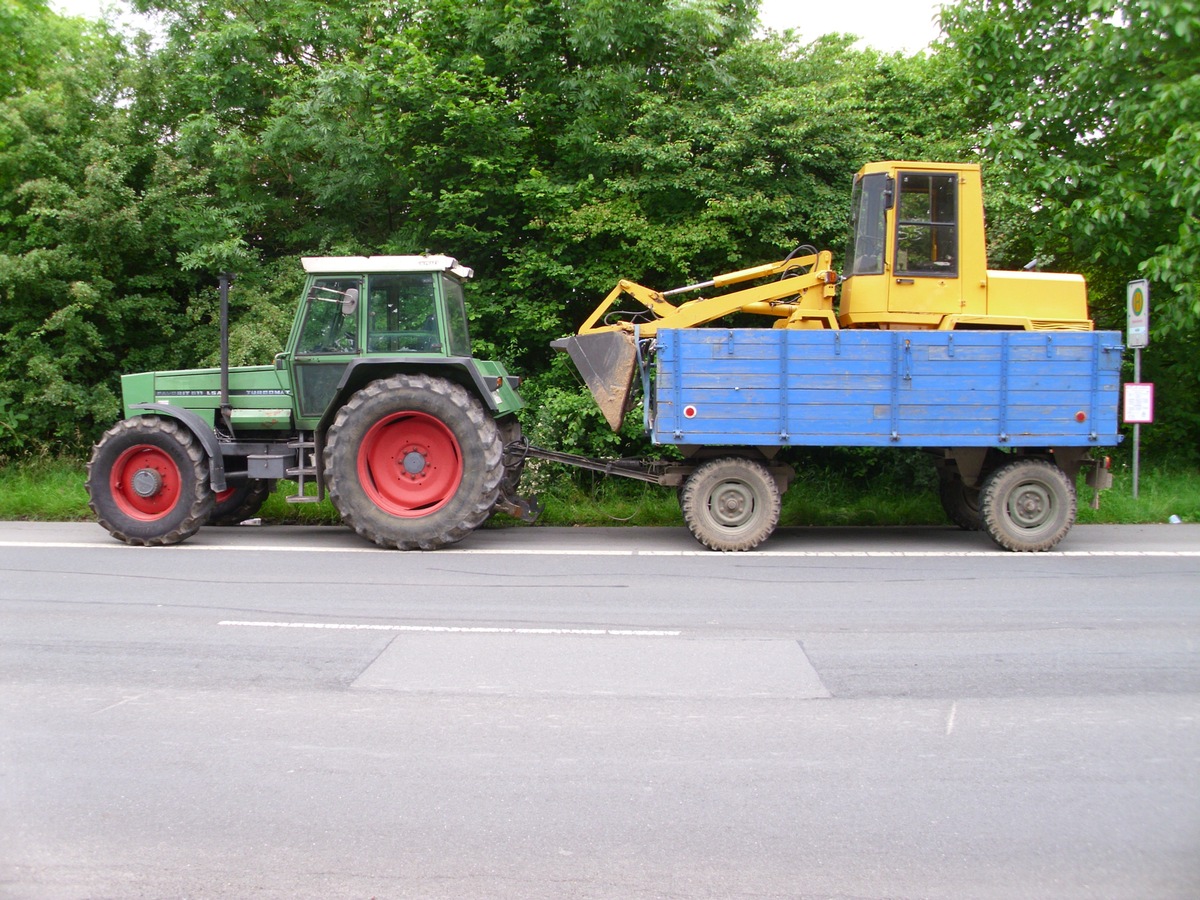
column 260, row 392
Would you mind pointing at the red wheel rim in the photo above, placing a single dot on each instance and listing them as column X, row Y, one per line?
column 410, row 464
column 145, row 482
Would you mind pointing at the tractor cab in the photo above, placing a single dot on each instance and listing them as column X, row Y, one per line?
column 380, row 306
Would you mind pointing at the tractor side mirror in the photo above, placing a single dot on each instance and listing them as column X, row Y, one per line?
column 350, row 302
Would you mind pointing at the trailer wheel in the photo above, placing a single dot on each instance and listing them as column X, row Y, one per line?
column 147, row 482
column 960, row 502
column 1028, row 505
column 240, row 502
column 413, row 462
column 731, row 504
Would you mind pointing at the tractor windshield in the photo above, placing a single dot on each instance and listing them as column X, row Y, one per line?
column 869, row 203
column 402, row 314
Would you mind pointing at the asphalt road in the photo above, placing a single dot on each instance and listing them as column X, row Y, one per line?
column 846, row 713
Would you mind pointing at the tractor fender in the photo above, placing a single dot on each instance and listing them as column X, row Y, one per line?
column 360, row 372
column 201, row 429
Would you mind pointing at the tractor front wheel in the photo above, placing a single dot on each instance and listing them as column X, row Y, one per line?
column 147, row 482
column 413, row 462
column 731, row 503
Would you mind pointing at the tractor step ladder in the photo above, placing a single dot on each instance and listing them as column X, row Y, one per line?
column 305, row 473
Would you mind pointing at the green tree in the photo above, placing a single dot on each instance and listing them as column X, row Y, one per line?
column 1090, row 107
column 97, row 218
column 554, row 145
column 1087, row 110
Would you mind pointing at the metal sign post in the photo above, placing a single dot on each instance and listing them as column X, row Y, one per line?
column 1138, row 336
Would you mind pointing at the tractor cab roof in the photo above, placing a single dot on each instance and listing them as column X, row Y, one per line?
column 348, row 265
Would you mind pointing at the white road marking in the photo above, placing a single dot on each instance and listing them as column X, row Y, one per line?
column 457, row 629
column 121, row 702
column 633, row 551
column 950, row 718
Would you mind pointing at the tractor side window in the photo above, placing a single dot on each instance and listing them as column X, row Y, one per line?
column 927, row 225
column 402, row 314
column 868, row 205
column 456, row 317
column 331, row 320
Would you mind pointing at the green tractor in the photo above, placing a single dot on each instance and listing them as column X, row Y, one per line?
column 376, row 401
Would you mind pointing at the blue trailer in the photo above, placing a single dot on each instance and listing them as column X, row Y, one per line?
column 1011, row 418
column 916, row 343
column 758, row 387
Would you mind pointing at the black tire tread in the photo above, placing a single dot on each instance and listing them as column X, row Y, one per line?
column 428, row 532
column 148, row 430
column 993, row 506
column 693, row 501
column 240, row 507
column 956, row 501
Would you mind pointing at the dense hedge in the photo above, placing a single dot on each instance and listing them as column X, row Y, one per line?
column 553, row 145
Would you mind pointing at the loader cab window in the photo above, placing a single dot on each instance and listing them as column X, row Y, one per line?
column 927, row 225
column 402, row 314
column 331, row 319
column 868, row 204
column 456, row 317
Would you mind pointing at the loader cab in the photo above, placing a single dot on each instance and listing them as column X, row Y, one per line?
column 916, row 255
column 389, row 307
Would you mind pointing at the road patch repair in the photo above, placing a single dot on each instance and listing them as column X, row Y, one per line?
column 580, row 662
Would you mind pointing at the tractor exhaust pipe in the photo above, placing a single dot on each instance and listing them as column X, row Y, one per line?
column 225, row 280
column 607, row 361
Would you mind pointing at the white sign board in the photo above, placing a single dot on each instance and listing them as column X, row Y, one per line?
column 1138, row 308
column 1139, row 403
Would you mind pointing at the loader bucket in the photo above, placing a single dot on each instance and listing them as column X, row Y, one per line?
column 607, row 361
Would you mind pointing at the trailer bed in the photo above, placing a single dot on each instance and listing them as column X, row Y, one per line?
column 931, row 389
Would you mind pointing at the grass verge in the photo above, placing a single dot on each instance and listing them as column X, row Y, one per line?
column 52, row 490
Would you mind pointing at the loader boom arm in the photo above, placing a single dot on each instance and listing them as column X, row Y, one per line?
column 801, row 295
column 605, row 350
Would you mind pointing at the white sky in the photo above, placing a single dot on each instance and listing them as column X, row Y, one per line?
column 888, row 25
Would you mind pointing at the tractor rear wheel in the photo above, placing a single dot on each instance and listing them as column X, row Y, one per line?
column 147, row 482
column 1028, row 505
column 731, row 503
column 413, row 462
